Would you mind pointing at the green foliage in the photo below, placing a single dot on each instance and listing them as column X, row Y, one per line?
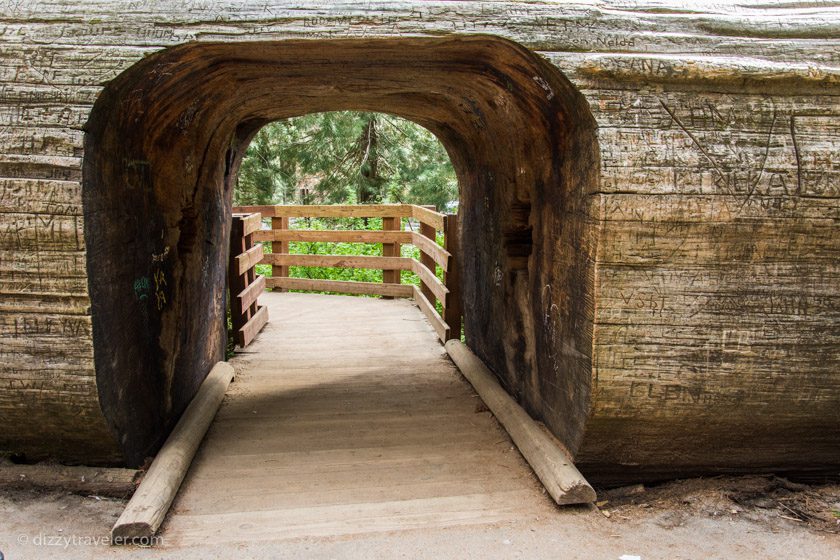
column 346, row 157
column 327, row 248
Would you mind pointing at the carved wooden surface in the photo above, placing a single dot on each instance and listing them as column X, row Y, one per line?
column 712, row 312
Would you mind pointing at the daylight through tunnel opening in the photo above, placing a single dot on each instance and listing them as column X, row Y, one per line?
column 162, row 149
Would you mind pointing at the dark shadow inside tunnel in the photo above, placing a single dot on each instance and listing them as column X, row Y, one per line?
column 162, row 149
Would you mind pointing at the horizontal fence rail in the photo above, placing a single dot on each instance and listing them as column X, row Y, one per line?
column 392, row 236
column 244, row 285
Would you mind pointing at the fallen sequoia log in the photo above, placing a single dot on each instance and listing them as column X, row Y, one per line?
column 648, row 202
column 97, row 481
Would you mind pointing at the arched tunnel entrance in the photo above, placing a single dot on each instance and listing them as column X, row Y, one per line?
column 162, row 148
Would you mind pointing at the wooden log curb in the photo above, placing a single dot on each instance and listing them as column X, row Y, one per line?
column 147, row 508
column 550, row 462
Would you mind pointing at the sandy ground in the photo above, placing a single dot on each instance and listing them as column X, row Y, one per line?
column 746, row 517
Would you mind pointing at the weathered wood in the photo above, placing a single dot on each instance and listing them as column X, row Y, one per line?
column 348, row 427
column 670, row 278
column 236, row 282
column 552, row 464
column 147, row 508
column 114, row 482
column 453, row 311
column 428, row 309
column 342, row 287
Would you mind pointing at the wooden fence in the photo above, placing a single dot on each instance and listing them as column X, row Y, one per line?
column 390, row 262
column 244, row 285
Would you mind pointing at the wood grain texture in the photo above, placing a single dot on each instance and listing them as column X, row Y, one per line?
column 332, row 432
column 663, row 296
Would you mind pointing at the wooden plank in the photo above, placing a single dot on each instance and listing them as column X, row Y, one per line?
column 547, row 457
column 342, row 286
column 251, row 223
column 347, row 521
column 250, row 294
column 265, row 211
column 440, row 327
column 430, row 247
column 340, row 261
column 252, row 328
column 391, row 275
column 430, row 281
column 428, row 232
column 332, row 210
column 453, row 311
column 428, row 217
column 332, row 236
column 250, row 258
column 277, row 246
column 394, row 443
column 147, row 508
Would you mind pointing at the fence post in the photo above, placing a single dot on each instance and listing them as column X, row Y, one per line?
column 247, row 320
column 453, row 313
column 236, row 282
column 280, row 271
column 427, row 261
column 391, row 250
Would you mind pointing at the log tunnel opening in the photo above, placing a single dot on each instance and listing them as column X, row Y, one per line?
column 162, row 148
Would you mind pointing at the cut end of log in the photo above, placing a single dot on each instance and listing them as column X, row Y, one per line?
column 580, row 493
column 131, row 533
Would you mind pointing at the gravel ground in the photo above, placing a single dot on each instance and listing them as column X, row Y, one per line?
column 726, row 517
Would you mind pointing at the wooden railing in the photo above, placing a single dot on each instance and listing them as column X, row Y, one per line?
column 244, row 285
column 391, row 263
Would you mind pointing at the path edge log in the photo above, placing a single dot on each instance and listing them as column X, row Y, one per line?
column 147, row 508
column 550, row 462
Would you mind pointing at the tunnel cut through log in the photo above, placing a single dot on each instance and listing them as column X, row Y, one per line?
column 165, row 139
